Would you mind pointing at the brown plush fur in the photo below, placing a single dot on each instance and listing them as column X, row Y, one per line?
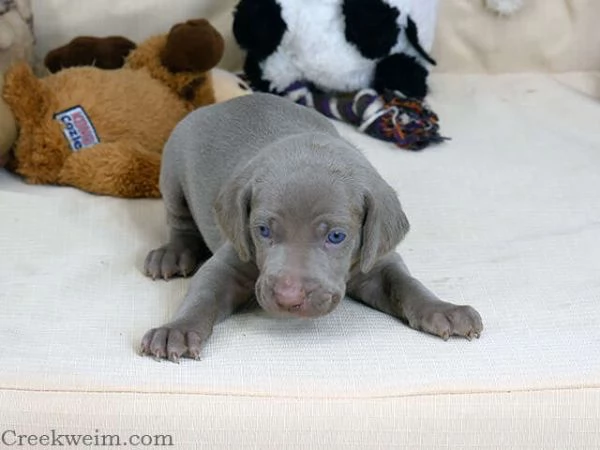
column 194, row 87
column 104, row 53
column 180, row 56
column 133, row 109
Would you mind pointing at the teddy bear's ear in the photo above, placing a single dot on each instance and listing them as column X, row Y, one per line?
column 194, row 46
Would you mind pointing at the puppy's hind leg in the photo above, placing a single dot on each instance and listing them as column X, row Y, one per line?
column 186, row 248
column 390, row 288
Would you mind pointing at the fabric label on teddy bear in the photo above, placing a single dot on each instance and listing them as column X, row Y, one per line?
column 78, row 130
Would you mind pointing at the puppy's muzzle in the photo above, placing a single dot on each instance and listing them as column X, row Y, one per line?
column 301, row 297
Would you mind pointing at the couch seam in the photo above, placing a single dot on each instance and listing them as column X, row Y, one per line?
column 308, row 397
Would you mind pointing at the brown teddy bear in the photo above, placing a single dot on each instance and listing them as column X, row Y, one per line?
column 103, row 131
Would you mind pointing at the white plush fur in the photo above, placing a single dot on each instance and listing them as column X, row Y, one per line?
column 424, row 13
column 314, row 46
column 504, row 7
column 228, row 85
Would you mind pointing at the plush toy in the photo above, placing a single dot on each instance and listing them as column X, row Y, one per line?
column 408, row 123
column 16, row 44
column 111, row 53
column 371, row 46
column 226, row 86
column 103, row 130
column 105, row 53
column 337, row 45
column 16, row 32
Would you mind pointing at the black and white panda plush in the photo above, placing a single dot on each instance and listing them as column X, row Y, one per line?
column 337, row 45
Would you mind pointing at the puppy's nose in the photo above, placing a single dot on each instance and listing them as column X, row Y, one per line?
column 289, row 293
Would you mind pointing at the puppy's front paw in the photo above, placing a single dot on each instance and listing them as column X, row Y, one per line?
column 445, row 320
column 172, row 343
column 170, row 261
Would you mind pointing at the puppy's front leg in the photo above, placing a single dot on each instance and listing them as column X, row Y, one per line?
column 390, row 288
column 220, row 286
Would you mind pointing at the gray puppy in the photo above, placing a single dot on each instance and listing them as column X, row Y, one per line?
column 284, row 211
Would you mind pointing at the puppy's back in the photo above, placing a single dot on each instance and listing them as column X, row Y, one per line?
column 216, row 138
column 208, row 146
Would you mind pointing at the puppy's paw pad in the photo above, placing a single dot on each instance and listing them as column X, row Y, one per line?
column 171, row 343
column 451, row 320
column 168, row 261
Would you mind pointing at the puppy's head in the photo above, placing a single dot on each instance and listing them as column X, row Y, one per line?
column 307, row 226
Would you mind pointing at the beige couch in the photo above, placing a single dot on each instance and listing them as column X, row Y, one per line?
column 505, row 217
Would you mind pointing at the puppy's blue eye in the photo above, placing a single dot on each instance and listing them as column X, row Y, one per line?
column 336, row 237
column 264, row 231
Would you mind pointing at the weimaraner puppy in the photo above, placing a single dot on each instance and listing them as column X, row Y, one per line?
column 274, row 206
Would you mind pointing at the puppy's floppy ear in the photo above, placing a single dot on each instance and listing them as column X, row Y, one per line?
column 232, row 210
column 384, row 224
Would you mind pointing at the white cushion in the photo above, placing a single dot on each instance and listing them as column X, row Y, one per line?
column 505, row 217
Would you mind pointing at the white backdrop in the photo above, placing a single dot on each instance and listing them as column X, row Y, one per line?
column 58, row 21
column 555, row 35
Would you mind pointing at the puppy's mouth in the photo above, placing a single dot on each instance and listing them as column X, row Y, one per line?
column 313, row 305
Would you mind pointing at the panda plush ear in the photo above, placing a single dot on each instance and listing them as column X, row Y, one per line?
column 258, row 26
column 504, row 7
